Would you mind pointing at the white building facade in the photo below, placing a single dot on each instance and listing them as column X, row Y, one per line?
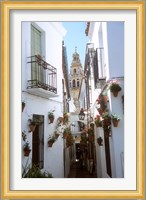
column 104, row 64
column 42, row 92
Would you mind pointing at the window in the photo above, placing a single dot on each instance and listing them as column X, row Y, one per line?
column 74, row 83
column 37, row 72
column 74, row 71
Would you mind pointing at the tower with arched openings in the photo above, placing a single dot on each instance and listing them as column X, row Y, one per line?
column 76, row 74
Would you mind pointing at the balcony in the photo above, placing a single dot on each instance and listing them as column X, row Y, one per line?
column 43, row 81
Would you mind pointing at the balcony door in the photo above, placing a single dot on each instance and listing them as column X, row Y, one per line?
column 37, row 71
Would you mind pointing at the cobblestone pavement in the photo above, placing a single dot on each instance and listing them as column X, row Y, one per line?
column 77, row 171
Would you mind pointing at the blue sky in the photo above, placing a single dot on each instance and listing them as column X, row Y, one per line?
column 75, row 37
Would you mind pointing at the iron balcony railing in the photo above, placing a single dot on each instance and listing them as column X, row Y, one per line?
column 43, row 75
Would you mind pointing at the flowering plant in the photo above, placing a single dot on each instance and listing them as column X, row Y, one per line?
column 115, row 117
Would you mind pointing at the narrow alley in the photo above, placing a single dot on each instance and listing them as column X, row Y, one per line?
column 78, row 171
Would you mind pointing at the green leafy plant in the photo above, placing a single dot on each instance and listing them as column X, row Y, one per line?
column 69, row 140
column 66, row 132
column 115, row 119
column 51, row 116
column 100, row 141
column 32, row 125
column 98, row 122
column 106, row 115
column 27, row 145
column 115, row 116
column 51, row 113
column 35, row 172
column 26, row 149
column 114, row 87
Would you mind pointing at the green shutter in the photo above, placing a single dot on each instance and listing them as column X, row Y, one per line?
column 36, row 70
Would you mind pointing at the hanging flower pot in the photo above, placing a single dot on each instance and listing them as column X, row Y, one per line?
column 51, row 117
column 100, row 141
column 97, row 122
column 65, row 134
column 100, row 111
column 115, row 119
column 60, row 120
column 32, row 126
column 26, row 149
column 65, row 118
column 50, row 144
column 115, row 88
column 105, row 98
column 115, row 93
column 51, row 140
column 23, row 105
column 56, row 135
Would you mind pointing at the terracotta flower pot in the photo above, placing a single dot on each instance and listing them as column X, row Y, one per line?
column 26, row 152
column 56, row 135
column 115, row 122
column 115, row 93
column 65, row 135
column 105, row 99
column 60, row 120
column 50, row 144
column 51, row 119
column 100, row 141
column 32, row 127
column 100, row 111
column 98, row 124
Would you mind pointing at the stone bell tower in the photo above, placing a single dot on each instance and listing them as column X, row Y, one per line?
column 76, row 74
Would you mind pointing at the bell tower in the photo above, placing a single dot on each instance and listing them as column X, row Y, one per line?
column 76, row 74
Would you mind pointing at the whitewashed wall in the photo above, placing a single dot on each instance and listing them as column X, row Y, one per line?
column 110, row 36
column 53, row 34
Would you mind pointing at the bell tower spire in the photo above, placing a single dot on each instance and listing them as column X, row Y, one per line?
column 76, row 74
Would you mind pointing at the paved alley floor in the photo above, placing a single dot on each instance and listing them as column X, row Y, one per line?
column 76, row 171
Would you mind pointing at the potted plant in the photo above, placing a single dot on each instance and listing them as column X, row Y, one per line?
column 51, row 140
column 26, row 149
column 32, row 125
column 100, row 111
column 60, row 120
column 69, row 140
column 23, row 105
column 56, row 134
column 103, row 98
column 115, row 88
column 115, row 119
column 65, row 117
column 51, row 116
column 100, row 141
column 66, row 132
column 97, row 122
column 106, row 119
